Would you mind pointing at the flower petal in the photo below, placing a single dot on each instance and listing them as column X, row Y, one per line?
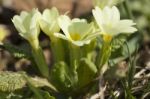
column 64, row 22
column 18, row 24
column 24, row 14
column 44, row 26
column 78, row 43
column 115, row 14
column 60, row 36
column 126, row 26
column 108, row 20
column 93, row 36
column 97, row 13
column 35, row 19
column 50, row 14
column 82, row 28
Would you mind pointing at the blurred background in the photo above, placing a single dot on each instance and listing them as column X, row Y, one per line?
column 76, row 8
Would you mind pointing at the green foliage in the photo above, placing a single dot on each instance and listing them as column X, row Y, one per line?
column 120, row 48
column 10, row 95
column 128, row 81
column 86, row 72
column 10, row 81
column 46, row 95
column 75, row 65
column 40, row 94
column 17, row 52
column 61, row 77
column 118, row 41
column 130, row 46
column 141, row 12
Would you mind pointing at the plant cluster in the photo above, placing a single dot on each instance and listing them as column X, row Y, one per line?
column 81, row 51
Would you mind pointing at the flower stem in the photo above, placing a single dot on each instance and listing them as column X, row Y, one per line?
column 57, row 49
column 103, row 55
column 40, row 61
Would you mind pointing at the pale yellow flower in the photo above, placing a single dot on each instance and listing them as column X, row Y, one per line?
column 108, row 20
column 77, row 31
column 49, row 21
column 28, row 26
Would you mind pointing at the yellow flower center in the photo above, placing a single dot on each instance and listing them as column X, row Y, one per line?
column 75, row 36
column 107, row 38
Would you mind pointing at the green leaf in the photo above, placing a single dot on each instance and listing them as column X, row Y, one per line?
column 11, row 81
column 131, row 46
column 41, row 82
column 38, row 93
column 10, row 95
column 17, row 52
column 61, row 77
column 86, row 72
column 122, row 53
column 88, row 50
column 34, row 90
column 46, row 95
column 118, row 41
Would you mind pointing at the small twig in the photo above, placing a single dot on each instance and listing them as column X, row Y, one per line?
column 137, row 75
column 99, row 95
column 144, row 96
column 136, row 89
column 143, row 77
column 101, row 88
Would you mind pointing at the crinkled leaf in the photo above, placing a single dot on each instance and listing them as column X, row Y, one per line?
column 11, row 81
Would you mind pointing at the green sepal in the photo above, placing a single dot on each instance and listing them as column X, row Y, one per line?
column 103, row 56
column 86, row 72
column 61, row 77
column 57, row 48
column 41, row 62
column 88, row 50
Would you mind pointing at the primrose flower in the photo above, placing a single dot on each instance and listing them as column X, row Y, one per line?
column 3, row 33
column 49, row 21
column 28, row 26
column 108, row 20
column 77, row 31
column 103, row 3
